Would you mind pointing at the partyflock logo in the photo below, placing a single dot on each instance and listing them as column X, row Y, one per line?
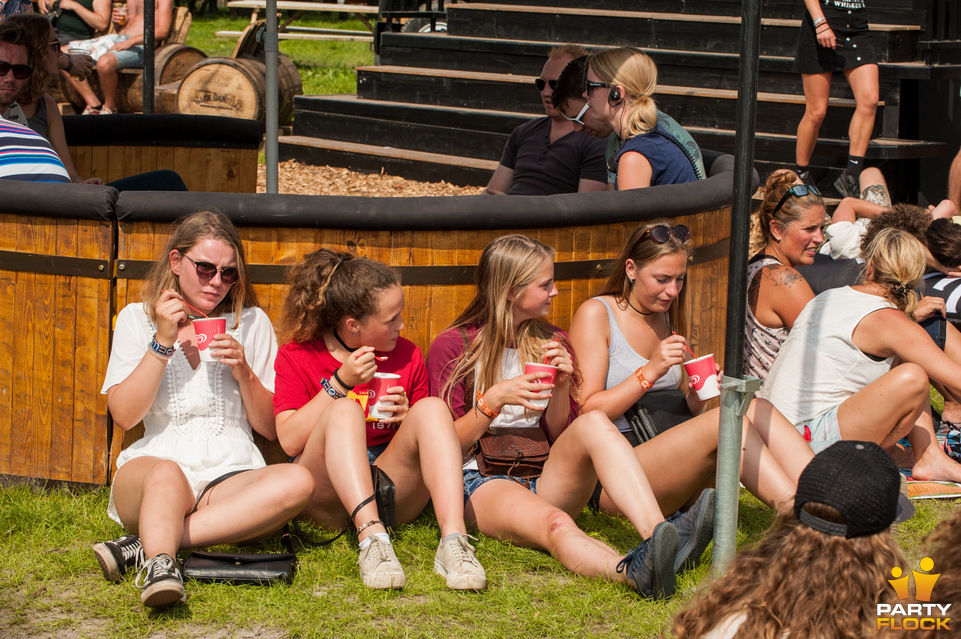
column 923, row 615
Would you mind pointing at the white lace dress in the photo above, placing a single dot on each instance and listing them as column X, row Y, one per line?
column 198, row 418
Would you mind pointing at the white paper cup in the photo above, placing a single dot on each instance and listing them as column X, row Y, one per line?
column 376, row 389
column 703, row 377
column 207, row 328
column 537, row 367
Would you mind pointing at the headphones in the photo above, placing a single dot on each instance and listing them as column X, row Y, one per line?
column 614, row 97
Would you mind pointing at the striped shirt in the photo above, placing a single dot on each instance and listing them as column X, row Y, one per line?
column 26, row 155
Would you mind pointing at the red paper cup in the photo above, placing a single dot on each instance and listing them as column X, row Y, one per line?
column 537, row 367
column 376, row 389
column 703, row 375
column 207, row 329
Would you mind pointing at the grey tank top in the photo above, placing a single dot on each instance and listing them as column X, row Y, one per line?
column 623, row 360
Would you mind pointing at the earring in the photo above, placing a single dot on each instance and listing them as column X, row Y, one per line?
column 355, row 333
column 776, row 238
column 630, row 280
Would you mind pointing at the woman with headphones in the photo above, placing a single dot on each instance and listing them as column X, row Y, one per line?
column 620, row 83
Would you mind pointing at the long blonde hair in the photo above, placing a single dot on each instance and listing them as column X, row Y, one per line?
column 898, row 262
column 799, row 582
column 507, row 266
column 636, row 72
column 191, row 230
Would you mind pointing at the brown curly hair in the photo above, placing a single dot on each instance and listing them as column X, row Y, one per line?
column 801, row 582
column 32, row 31
column 910, row 218
column 326, row 287
column 944, row 547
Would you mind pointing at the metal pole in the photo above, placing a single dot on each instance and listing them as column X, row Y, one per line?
column 149, row 42
column 735, row 393
column 271, row 50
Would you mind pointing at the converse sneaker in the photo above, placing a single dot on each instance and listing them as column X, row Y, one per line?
column 118, row 556
column 379, row 567
column 650, row 566
column 160, row 582
column 695, row 527
column 455, row 560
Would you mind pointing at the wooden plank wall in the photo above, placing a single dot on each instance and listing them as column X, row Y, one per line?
column 54, row 333
column 202, row 169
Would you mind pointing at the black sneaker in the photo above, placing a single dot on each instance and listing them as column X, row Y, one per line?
column 118, row 556
column 847, row 185
column 161, row 583
column 805, row 176
column 650, row 566
column 695, row 527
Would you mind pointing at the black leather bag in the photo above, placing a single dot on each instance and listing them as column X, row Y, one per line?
column 241, row 568
column 656, row 412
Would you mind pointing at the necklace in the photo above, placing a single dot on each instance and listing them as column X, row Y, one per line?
column 347, row 348
column 626, row 299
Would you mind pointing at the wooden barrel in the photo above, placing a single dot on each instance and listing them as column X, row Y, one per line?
column 237, row 87
column 171, row 64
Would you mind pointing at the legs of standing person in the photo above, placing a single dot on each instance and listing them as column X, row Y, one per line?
column 864, row 85
column 817, row 89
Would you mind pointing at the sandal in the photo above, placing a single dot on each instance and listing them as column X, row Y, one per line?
column 89, row 110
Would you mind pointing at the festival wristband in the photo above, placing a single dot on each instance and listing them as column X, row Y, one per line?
column 483, row 407
column 819, row 21
column 160, row 349
column 333, row 392
column 639, row 374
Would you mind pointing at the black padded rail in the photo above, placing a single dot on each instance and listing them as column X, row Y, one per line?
column 444, row 213
column 47, row 199
column 163, row 129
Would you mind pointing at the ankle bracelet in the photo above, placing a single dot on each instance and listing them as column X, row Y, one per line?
column 367, row 525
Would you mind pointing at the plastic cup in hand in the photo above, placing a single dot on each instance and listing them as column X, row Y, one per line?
column 207, row 329
column 703, row 375
column 537, row 367
column 376, row 389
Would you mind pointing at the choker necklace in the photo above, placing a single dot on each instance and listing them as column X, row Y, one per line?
column 347, row 348
column 626, row 299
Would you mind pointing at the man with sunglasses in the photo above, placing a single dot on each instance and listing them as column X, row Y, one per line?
column 24, row 155
column 547, row 156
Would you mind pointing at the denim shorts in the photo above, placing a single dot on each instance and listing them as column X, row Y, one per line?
column 824, row 429
column 131, row 58
column 474, row 480
column 373, row 452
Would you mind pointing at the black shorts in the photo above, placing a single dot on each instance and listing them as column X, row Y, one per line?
column 855, row 46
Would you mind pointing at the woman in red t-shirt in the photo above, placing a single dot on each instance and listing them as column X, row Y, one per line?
column 341, row 324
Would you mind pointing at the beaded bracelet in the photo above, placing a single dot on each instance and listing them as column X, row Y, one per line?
column 639, row 374
column 333, row 392
column 160, row 349
column 342, row 383
column 483, row 407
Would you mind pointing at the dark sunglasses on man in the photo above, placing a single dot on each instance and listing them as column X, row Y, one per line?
column 20, row 71
column 540, row 82
column 206, row 271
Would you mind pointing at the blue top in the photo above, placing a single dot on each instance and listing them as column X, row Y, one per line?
column 669, row 163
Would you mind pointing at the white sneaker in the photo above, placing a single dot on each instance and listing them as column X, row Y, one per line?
column 379, row 567
column 455, row 560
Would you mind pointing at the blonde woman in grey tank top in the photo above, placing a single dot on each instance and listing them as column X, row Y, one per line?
column 625, row 346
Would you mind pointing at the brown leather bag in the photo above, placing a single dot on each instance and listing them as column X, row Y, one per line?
column 513, row 451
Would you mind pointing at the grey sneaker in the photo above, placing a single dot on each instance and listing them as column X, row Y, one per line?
column 455, row 560
column 160, row 582
column 847, row 185
column 695, row 527
column 650, row 566
column 379, row 567
column 118, row 556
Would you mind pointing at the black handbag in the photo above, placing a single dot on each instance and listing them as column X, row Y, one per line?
column 241, row 568
column 656, row 412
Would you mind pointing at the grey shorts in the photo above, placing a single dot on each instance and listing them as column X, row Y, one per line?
column 821, row 431
column 474, row 480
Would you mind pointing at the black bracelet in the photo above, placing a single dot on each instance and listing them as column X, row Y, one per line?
column 160, row 349
column 69, row 63
column 333, row 392
column 341, row 382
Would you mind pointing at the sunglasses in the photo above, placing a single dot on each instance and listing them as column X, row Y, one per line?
column 20, row 71
column 597, row 85
column 577, row 118
column 662, row 233
column 798, row 190
column 540, row 82
column 206, row 271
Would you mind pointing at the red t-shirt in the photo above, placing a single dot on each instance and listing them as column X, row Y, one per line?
column 300, row 367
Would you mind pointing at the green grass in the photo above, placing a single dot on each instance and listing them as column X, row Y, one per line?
column 50, row 584
column 325, row 67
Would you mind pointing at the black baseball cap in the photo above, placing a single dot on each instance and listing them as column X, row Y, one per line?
column 860, row 481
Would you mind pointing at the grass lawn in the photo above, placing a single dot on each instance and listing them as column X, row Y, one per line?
column 325, row 67
column 51, row 586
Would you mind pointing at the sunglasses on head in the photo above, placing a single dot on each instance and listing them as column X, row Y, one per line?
column 20, row 71
column 662, row 233
column 540, row 82
column 597, row 85
column 798, row 190
column 206, row 271
column 577, row 118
